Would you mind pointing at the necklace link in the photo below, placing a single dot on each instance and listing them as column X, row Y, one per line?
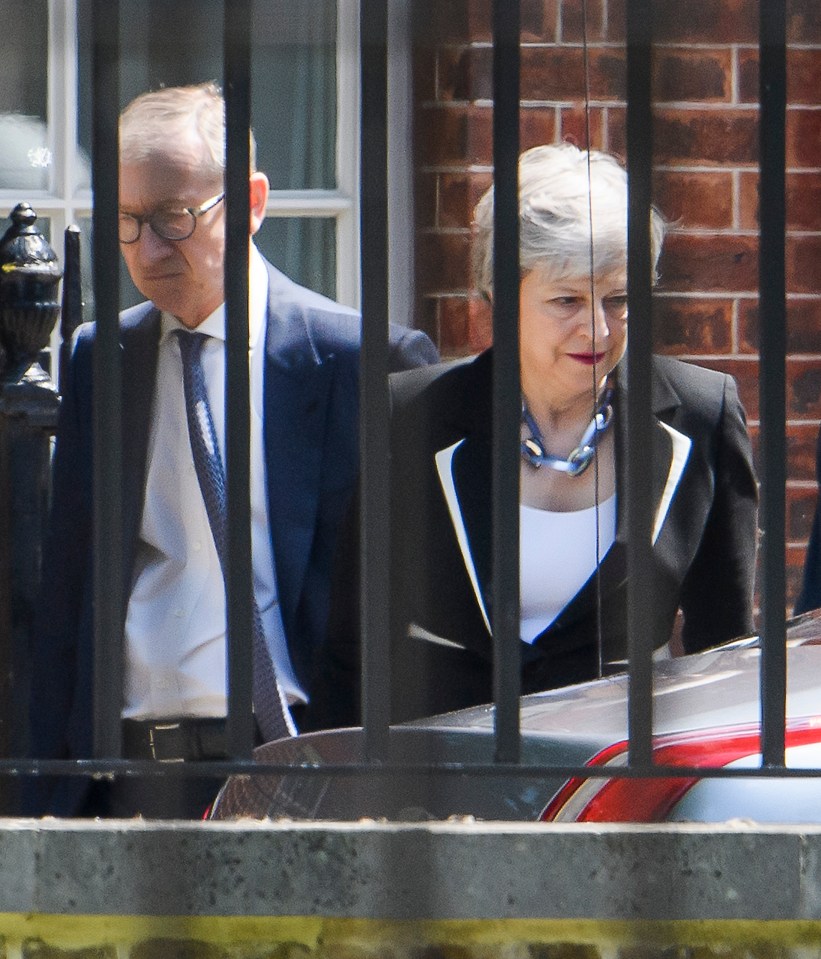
column 534, row 452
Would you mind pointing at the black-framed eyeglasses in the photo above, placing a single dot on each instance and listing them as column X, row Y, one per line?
column 168, row 224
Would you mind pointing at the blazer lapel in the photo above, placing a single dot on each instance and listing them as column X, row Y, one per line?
column 464, row 474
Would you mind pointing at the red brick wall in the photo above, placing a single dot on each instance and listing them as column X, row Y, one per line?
column 706, row 154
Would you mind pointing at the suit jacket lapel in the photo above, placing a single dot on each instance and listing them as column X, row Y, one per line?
column 139, row 341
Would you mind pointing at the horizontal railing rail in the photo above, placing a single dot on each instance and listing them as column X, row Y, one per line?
column 374, row 415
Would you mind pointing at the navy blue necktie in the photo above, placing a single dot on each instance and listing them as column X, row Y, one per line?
column 273, row 717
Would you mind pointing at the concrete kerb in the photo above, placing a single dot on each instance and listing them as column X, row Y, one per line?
column 431, row 871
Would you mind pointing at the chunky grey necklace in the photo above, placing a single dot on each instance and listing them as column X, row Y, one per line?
column 533, row 448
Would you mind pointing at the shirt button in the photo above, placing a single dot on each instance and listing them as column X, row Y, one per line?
column 196, row 546
column 179, row 613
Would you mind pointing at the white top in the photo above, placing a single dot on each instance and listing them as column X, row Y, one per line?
column 175, row 651
column 557, row 555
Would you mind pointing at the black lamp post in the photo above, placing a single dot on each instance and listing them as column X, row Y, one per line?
column 29, row 307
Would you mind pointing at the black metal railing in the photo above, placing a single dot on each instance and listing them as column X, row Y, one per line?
column 374, row 412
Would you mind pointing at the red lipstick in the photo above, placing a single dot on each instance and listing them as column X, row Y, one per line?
column 589, row 359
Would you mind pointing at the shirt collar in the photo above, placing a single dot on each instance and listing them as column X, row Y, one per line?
column 214, row 324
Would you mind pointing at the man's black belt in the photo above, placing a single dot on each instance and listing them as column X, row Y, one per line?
column 175, row 740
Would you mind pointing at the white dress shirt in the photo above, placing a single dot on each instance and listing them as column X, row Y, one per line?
column 175, row 650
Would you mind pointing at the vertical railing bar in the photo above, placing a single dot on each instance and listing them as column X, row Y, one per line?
column 71, row 313
column 640, row 619
column 238, row 574
column 506, row 379
column 772, row 381
column 374, row 433
column 108, row 441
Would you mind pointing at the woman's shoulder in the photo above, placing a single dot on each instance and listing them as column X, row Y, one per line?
column 703, row 393
column 443, row 382
column 681, row 373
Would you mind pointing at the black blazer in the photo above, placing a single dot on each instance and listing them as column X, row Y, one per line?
column 705, row 509
column 810, row 595
column 310, row 419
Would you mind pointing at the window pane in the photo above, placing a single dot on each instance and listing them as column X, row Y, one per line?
column 304, row 248
column 293, row 74
column 24, row 154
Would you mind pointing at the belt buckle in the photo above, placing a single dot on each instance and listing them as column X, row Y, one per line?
column 166, row 749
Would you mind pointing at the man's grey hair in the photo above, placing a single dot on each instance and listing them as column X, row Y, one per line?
column 156, row 119
column 562, row 192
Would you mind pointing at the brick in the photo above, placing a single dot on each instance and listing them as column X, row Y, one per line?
column 480, row 328
column 803, row 264
column 803, row 195
column 553, row 74
column 803, row 326
column 479, row 18
column 616, row 20
column 539, row 19
column 685, row 326
column 702, row 199
column 729, row 136
column 706, row 21
column 537, row 126
column 804, row 201
column 443, row 262
column 803, row 76
column 694, row 75
column 704, row 263
column 458, row 195
column 466, row 325
column 800, row 513
column 454, row 135
column 465, row 73
column 748, row 76
column 617, row 131
column 453, row 326
column 442, row 135
column 608, row 75
column 795, row 566
column 804, row 389
column 804, row 21
column 574, row 123
column 804, row 138
column 801, row 446
column 583, row 19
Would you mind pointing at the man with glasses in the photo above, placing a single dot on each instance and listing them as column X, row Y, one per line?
column 303, row 365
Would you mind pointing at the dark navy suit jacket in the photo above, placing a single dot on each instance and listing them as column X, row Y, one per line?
column 311, row 451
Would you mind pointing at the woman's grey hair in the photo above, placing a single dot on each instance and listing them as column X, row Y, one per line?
column 156, row 119
column 562, row 192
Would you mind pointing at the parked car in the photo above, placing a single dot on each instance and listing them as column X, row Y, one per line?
column 706, row 713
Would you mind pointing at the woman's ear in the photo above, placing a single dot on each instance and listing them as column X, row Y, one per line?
column 258, row 191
